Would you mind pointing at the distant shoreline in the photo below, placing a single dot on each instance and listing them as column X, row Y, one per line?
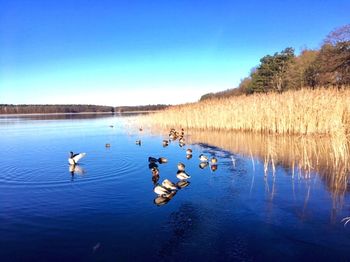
column 23, row 109
column 80, row 113
column 73, row 113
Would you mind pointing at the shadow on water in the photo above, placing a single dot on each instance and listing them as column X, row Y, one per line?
column 179, row 228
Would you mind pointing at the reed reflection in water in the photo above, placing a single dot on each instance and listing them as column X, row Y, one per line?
column 301, row 155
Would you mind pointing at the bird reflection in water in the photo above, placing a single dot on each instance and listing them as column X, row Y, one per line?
column 76, row 169
column 182, row 184
column 164, row 199
column 214, row 168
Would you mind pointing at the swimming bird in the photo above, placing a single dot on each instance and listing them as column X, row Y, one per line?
column 152, row 159
column 182, row 140
column 189, row 151
column 138, row 142
column 161, row 191
column 108, row 145
column 152, row 165
column 165, row 143
column 203, row 165
column 188, row 156
column 182, row 175
column 169, row 185
column 74, row 158
column 180, row 166
column 155, row 171
column 155, row 179
column 213, row 160
column 203, row 158
column 162, row 160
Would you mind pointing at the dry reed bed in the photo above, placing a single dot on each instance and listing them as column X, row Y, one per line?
column 302, row 115
column 321, row 111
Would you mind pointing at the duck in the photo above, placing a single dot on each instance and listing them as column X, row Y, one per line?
column 180, row 166
column 74, row 158
column 169, row 185
column 188, row 156
column 182, row 140
column 188, row 151
column 138, row 142
column 162, row 160
column 155, row 171
column 155, row 179
column 203, row 158
column 213, row 160
column 108, row 145
column 161, row 190
column 165, row 143
column 182, row 175
column 152, row 159
column 203, row 165
column 152, row 165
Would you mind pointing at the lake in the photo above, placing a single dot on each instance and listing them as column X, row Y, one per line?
column 260, row 203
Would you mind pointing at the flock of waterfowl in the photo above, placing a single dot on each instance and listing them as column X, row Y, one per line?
column 167, row 189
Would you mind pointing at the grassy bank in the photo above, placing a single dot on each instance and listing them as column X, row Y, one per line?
column 321, row 111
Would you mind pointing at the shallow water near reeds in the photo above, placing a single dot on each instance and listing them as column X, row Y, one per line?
column 269, row 199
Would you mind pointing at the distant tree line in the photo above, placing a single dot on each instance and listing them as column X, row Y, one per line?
column 327, row 67
column 47, row 109
column 140, row 108
column 40, row 109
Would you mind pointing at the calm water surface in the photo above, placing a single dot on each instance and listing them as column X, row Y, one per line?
column 104, row 210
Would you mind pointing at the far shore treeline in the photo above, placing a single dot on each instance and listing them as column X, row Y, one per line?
column 328, row 66
column 48, row 109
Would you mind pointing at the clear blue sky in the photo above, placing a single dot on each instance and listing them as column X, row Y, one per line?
column 147, row 52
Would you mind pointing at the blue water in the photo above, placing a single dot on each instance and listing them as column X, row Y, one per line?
column 105, row 210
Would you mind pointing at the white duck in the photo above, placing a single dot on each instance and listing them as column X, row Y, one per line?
column 74, row 158
column 182, row 175
column 161, row 190
column 181, row 166
column 203, row 158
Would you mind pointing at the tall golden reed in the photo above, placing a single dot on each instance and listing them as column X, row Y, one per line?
column 313, row 127
column 321, row 111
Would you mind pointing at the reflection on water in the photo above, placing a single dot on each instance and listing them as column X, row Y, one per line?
column 76, row 169
column 253, row 198
column 300, row 155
